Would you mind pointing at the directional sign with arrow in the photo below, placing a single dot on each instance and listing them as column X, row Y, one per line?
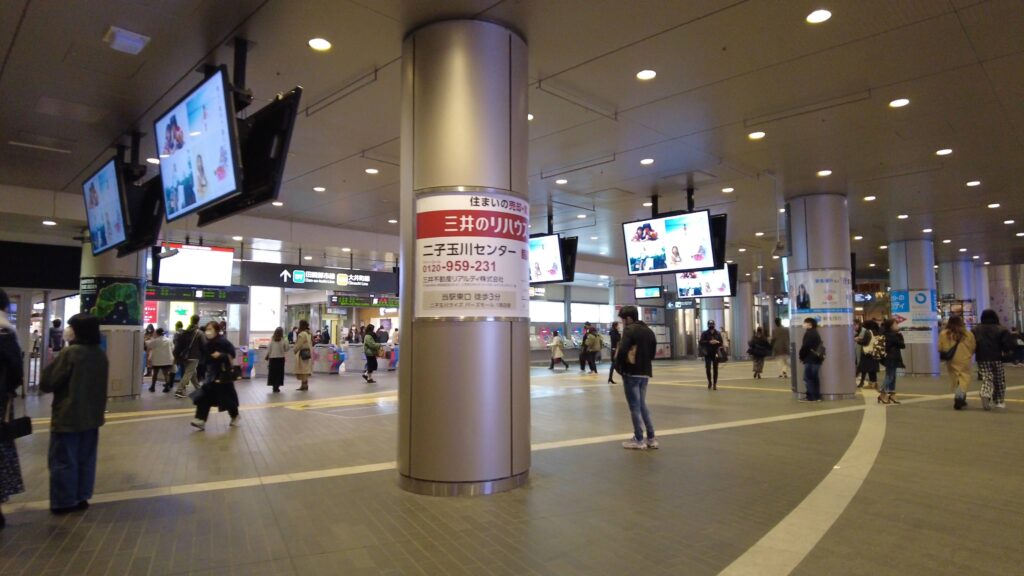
column 286, row 275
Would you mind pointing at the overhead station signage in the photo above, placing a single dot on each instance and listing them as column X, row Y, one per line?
column 229, row 294
column 348, row 300
column 316, row 278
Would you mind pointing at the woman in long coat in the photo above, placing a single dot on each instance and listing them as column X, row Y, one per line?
column 959, row 367
column 303, row 366
column 10, row 381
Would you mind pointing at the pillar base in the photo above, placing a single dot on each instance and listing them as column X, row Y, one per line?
column 432, row 488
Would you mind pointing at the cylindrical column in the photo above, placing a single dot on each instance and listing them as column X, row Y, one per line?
column 44, row 328
column 820, row 287
column 914, row 304
column 742, row 318
column 464, row 380
column 712, row 309
column 956, row 283
column 983, row 285
column 113, row 289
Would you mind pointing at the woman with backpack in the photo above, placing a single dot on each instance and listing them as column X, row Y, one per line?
column 759, row 347
column 956, row 346
column 873, row 350
column 992, row 341
column 893, row 361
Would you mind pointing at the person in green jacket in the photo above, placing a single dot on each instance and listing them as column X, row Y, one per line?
column 78, row 380
column 370, row 348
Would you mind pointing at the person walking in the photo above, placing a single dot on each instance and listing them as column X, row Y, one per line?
column 873, row 350
column 633, row 361
column 179, row 368
column 77, row 378
column 780, row 348
column 219, row 388
column 583, row 347
column 557, row 345
column 275, row 360
column 893, row 361
column 393, row 363
column 614, row 336
column 858, row 349
column 148, row 335
column 812, row 354
column 303, row 355
column 55, row 341
column 11, row 376
column 992, row 340
column 960, row 344
column 189, row 351
column 160, row 351
column 370, row 348
column 592, row 342
column 710, row 345
column 759, row 348
column 1018, row 346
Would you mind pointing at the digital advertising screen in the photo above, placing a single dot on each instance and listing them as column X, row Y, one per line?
column 669, row 244
column 104, row 207
column 194, row 265
column 706, row 284
column 647, row 292
column 546, row 260
column 198, row 148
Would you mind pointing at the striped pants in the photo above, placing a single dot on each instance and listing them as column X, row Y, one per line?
column 993, row 380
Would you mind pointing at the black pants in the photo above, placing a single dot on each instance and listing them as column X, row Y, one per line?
column 275, row 373
column 169, row 373
column 592, row 361
column 562, row 360
column 203, row 411
column 711, row 368
column 583, row 360
column 611, row 367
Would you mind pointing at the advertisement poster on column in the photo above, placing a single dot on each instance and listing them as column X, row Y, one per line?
column 826, row 295
column 473, row 256
column 915, row 314
column 115, row 301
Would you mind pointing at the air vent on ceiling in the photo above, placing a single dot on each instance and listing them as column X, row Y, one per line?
column 125, row 40
column 71, row 110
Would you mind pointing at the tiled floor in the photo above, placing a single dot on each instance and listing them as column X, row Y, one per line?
column 306, row 486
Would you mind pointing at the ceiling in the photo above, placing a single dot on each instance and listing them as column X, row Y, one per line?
column 725, row 68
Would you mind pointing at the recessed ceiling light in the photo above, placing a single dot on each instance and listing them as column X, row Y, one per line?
column 818, row 16
column 976, row 257
column 742, row 250
column 319, row 44
column 647, row 161
column 936, row 266
column 646, row 75
column 858, row 237
column 782, row 210
column 823, row 173
column 883, row 247
column 871, row 265
column 307, row 257
column 747, row 274
column 994, row 205
column 581, row 216
column 869, row 198
column 756, row 135
column 647, row 204
column 237, row 238
column 49, row 223
column 899, row 103
column 771, row 277
column 944, row 152
column 529, row 117
column 963, row 249
column 926, row 230
column 974, row 183
column 392, row 221
column 728, row 190
column 594, row 238
column 759, row 267
column 903, row 216
column 372, row 171
column 775, row 257
column 987, row 262
column 346, row 249
column 758, row 234
column 153, row 160
column 561, row 181
column 1019, row 234
column 946, row 241
column 277, row 204
column 319, row 189
column 1009, row 221
column 728, row 261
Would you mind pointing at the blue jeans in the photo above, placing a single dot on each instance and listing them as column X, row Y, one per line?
column 72, row 463
column 889, row 384
column 636, row 396
column 812, row 381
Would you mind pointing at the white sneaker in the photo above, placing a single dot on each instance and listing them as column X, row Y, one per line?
column 634, row 444
column 986, row 403
column 234, row 421
column 197, row 423
column 652, row 443
column 1001, row 405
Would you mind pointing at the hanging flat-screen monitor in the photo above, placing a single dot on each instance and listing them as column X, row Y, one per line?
column 105, row 209
column 546, row 264
column 569, row 246
column 146, row 213
column 264, row 139
column 676, row 243
column 718, row 236
column 707, row 283
column 647, row 292
column 198, row 147
column 193, row 265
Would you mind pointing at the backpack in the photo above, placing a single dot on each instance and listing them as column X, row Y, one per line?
column 869, row 346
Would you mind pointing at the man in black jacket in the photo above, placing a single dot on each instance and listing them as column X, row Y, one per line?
column 710, row 344
column 992, row 341
column 636, row 336
column 615, row 336
column 811, row 354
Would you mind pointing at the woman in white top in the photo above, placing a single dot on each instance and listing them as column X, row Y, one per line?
column 160, row 353
column 303, row 355
column 275, row 359
column 557, row 346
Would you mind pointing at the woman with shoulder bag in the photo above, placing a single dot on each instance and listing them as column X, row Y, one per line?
column 893, row 361
column 275, row 360
column 759, row 347
column 956, row 346
column 303, row 355
column 868, row 366
column 370, row 348
column 10, row 380
column 219, row 389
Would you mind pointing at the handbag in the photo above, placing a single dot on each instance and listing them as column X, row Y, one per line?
column 12, row 428
column 949, row 354
column 305, row 354
column 381, row 352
